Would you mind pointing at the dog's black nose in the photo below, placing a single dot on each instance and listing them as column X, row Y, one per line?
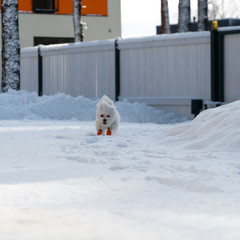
column 104, row 120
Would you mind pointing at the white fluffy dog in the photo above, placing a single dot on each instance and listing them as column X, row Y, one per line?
column 107, row 117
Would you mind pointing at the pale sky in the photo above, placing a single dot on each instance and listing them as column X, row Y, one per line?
column 140, row 17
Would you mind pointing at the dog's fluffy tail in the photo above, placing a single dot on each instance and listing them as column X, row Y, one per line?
column 106, row 99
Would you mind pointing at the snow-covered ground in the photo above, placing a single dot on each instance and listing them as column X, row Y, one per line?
column 150, row 181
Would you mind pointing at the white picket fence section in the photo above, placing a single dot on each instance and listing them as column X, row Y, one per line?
column 164, row 71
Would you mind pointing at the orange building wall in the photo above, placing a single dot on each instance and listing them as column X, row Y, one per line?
column 99, row 7
column 25, row 5
column 91, row 7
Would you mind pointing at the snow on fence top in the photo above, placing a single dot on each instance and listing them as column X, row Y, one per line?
column 104, row 45
column 166, row 40
column 69, row 48
column 233, row 28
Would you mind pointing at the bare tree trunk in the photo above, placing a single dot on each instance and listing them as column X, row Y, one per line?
column 214, row 10
column 202, row 15
column 10, row 46
column 184, row 16
column 77, row 22
column 165, row 17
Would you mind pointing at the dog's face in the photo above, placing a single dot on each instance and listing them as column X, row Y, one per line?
column 105, row 119
column 105, row 115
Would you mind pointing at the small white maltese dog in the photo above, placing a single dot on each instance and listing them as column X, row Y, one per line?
column 107, row 117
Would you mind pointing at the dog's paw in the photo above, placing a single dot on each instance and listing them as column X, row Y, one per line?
column 99, row 132
column 109, row 132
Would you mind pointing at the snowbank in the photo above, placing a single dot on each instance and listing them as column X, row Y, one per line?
column 26, row 105
column 213, row 128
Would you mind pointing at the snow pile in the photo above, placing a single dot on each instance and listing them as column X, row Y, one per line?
column 214, row 128
column 141, row 113
column 26, row 105
column 59, row 180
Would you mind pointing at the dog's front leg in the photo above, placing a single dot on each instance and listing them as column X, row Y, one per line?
column 99, row 132
column 109, row 132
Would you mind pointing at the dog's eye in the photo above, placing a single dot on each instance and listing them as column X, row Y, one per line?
column 108, row 116
column 102, row 116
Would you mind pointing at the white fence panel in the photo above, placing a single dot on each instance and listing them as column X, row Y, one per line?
column 166, row 69
column 29, row 69
column 232, row 67
column 1, row 70
column 166, row 66
column 86, row 69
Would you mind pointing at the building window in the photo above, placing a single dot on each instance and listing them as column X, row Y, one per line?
column 45, row 6
column 52, row 40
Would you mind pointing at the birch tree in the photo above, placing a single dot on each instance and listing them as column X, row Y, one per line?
column 10, row 46
column 213, row 10
column 202, row 15
column 77, row 20
column 216, row 9
column 165, row 17
column 184, row 15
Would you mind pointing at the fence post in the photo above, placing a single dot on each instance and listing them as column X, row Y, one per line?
column 214, row 61
column 40, row 69
column 220, row 67
column 117, row 71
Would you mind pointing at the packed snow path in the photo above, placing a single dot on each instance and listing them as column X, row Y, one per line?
column 61, row 181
